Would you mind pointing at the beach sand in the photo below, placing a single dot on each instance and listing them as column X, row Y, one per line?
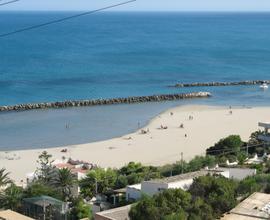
column 158, row 146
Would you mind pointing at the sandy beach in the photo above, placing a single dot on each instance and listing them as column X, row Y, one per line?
column 204, row 128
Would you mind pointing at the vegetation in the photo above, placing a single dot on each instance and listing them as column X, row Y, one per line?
column 79, row 210
column 11, row 197
column 4, row 179
column 230, row 145
column 208, row 197
column 64, row 181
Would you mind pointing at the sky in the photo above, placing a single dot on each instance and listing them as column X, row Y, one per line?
column 142, row 5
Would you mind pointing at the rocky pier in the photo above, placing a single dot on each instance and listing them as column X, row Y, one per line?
column 128, row 100
column 205, row 84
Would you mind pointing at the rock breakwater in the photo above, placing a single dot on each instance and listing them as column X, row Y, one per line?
column 128, row 100
column 205, row 84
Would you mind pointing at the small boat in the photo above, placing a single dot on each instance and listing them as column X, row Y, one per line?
column 264, row 86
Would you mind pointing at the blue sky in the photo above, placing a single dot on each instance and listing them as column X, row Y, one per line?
column 143, row 5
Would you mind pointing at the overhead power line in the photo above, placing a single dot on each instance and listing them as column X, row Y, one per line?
column 64, row 19
column 9, row 2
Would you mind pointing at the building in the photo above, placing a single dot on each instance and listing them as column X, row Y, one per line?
column 239, row 173
column 79, row 169
column 11, row 215
column 114, row 214
column 133, row 192
column 266, row 136
column 255, row 207
column 44, row 207
column 182, row 181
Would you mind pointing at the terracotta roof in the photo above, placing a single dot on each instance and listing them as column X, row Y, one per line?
column 64, row 165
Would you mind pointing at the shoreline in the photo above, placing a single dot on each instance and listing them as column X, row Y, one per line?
column 159, row 146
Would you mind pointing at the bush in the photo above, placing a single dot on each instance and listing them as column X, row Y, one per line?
column 230, row 145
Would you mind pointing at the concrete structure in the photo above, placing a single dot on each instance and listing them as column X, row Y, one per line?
column 11, row 215
column 114, row 214
column 266, row 136
column 255, row 207
column 182, row 181
column 239, row 173
column 255, row 160
column 133, row 192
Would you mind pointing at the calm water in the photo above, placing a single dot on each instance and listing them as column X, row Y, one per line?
column 122, row 54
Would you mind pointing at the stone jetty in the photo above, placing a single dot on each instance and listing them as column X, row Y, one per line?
column 128, row 100
column 205, row 84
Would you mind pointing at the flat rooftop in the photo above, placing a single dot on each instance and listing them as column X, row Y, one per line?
column 264, row 124
column 256, row 206
column 185, row 176
column 114, row 214
column 11, row 215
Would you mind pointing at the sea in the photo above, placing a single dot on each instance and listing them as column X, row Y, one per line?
column 121, row 54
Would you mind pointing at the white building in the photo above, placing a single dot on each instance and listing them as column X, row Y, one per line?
column 133, row 192
column 182, row 181
column 266, row 136
column 239, row 173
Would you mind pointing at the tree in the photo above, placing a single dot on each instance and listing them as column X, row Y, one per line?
column 248, row 186
column 144, row 209
column 64, row 181
column 218, row 192
column 200, row 210
column 230, row 145
column 121, row 182
column 172, row 201
column 136, row 172
column 79, row 209
column 99, row 180
column 45, row 169
column 4, row 179
column 39, row 189
column 200, row 162
column 180, row 215
column 253, row 139
column 169, row 204
column 11, row 197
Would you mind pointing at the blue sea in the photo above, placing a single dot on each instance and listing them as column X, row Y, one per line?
column 107, row 55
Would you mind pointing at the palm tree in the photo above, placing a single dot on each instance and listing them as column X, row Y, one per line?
column 11, row 197
column 64, row 180
column 4, row 179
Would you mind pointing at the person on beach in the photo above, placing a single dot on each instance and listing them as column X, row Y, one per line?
column 181, row 125
column 185, row 135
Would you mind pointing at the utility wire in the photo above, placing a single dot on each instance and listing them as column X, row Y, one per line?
column 64, row 19
column 227, row 149
column 7, row 3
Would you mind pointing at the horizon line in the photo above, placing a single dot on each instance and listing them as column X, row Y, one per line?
column 146, row 11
